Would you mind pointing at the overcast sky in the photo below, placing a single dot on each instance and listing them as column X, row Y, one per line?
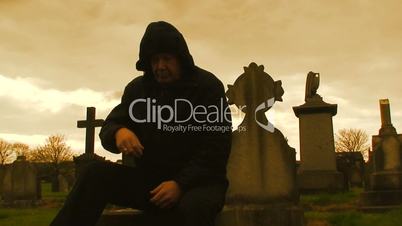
column 58, row 57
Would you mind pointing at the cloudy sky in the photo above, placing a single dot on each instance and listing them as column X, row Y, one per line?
column 58, row 57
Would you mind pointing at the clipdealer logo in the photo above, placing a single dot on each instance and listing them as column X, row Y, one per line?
column 199, row 113
column 265, row 105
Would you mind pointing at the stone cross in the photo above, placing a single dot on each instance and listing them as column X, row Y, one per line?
column 90, row 123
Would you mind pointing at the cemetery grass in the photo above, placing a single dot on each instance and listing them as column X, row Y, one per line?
column 340, row 209
column 325, row 209
column 36, row 216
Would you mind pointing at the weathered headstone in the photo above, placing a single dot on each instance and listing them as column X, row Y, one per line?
column 352, row 166
column 368, row 170
column 89, row 124
column 63, row 183
column 317, row 149
column 262, row 166
column 386, row 178
column 2, row 172
column 20, row 184
column 357, row 170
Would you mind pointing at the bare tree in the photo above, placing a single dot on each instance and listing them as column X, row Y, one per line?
column 22, row 149
column 54, row 151
column 6, row 152
column 352, row 140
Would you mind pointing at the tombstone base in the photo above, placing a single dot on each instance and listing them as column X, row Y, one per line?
column 381, row 198
column 231, row 215
column 84, row 159
column 320, row 180
column 386, row 180
column 122, row 217
column 257, row 215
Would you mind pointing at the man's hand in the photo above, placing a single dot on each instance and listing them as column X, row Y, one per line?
column 128, row 143
column 166, row 195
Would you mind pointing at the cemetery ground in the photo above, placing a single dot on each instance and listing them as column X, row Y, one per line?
column 324, row 209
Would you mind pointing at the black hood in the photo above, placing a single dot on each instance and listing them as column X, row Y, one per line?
column 162, row 37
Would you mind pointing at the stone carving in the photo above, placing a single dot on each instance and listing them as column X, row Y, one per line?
column 312, row 84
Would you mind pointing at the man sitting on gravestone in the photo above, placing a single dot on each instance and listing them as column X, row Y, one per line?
column 176, row 122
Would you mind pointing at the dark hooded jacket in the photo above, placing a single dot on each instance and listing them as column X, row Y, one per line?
column 191, row 158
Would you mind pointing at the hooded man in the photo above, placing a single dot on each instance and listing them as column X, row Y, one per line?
column 175, row 121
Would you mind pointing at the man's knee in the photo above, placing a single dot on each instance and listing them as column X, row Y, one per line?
column 93, row 171
column 201, row 205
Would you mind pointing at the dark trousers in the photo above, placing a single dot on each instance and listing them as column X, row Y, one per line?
column 105, row 182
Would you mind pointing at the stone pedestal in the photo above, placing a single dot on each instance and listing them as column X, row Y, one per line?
column 260, row 215
column 385, row 189
column 317, row 150
column 321, row 180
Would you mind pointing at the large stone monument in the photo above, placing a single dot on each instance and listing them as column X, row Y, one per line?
column 89, row 124
column 20, row 184
column 317, row 149
column 262, row 166
column 385, row 189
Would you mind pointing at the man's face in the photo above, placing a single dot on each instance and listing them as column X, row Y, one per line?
column 165, row 67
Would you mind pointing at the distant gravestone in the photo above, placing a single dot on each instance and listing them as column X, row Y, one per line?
column 63, row 183
column 2, row 172
column 352, row 165
column 89, row 124
column 20, row 184
column 261, row 166
column 385, row 188
column 70, row 178
column 357, row 171
column 317, row 171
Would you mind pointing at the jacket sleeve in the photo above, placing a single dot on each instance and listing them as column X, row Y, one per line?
column 117, row 118
column 212, row 148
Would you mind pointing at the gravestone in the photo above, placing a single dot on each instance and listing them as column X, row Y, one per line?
column 89, row 124
column 368, row 170
column 317, row 171
column 2, row 172
column 63, row 183
column 386, row 178
column 352, row 166
column 20, row 184
column 357, row 170
column 261, row 168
